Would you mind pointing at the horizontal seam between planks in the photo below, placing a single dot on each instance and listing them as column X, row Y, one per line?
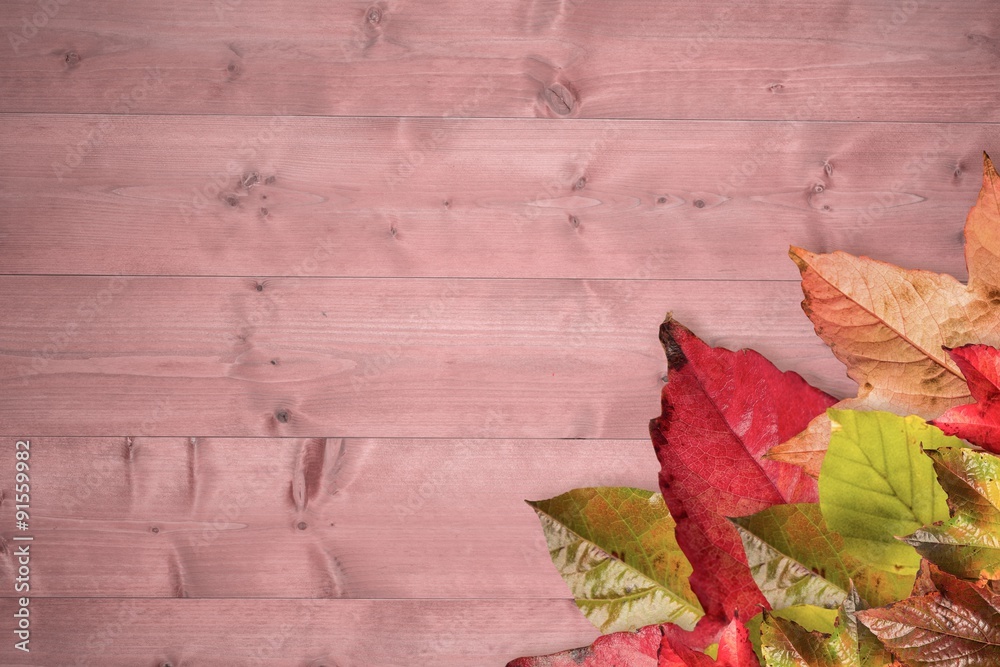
column 348, row 277
column 507, row 118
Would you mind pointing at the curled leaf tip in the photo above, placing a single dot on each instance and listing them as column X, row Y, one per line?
column 670, row 331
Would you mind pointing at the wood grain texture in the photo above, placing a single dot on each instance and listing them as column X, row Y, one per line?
column 828, row 59
column 477, row 198
column 204, row 517
column 294, row 633
column 301, row 299
column 369, row 358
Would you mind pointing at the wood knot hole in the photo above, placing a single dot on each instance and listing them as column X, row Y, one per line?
column 250, row 179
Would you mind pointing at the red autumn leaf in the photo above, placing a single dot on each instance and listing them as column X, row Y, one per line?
column 722, row 411
column 735, row 649
column 628, row 649
column 978, row 422
column 654, row 646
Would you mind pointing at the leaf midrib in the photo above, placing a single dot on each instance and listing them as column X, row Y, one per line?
column 898, row 334
column 737, row 438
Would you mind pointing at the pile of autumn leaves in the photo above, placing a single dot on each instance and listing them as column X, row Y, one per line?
column 793, row 530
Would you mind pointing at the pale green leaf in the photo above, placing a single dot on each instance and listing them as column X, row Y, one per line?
column 616, row 549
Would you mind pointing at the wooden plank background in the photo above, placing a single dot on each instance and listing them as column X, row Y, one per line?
column 302, row 299
column 492, row 198
column 685, row 59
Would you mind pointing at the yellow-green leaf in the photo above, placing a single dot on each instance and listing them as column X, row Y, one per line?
column 876, row 484
column 616, row 549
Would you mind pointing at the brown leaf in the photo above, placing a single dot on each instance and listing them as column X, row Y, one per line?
column 959, row 624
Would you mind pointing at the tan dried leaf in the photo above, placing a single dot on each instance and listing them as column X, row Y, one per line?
column 890, row 326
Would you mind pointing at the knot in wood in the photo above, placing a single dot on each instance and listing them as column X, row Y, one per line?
column 559, row 99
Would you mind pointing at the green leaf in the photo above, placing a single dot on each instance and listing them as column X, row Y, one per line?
column 616, row 549
column 796, row 559
column 967, row 545
column 785, row 643
column 876, row 484
column 810, row 617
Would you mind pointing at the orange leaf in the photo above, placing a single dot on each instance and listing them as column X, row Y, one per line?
column 890, row 326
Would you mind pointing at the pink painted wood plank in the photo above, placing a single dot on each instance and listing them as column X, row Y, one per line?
column 293, row 633
column 369, row 358
column 478, row 198
column 818, row 59
column 155, row 517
